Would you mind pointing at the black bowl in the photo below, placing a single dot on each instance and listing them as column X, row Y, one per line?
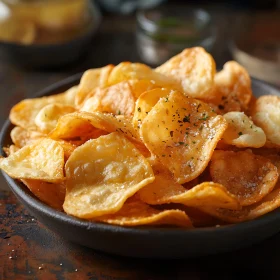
column 140, row 241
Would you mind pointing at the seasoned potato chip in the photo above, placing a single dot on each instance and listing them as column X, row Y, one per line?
column 136, row 213
column 43, row 160
column 266, row 114
column 24, row 113
column 145, row 103
column 194, row 69
column 48, row 116
column 102, row 174
column 247, row 176
column 140, row 86
column 242, row 132
column 182, row 132
column 22, row 137
column 90, row 80
column 117, row 99
column 52, row 194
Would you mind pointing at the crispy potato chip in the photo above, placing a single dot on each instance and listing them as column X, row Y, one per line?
column 232, row 91
column 247, row 176
column 266, row 114
column 242, row 132
column 182, row 132
column 194, row 69
column 140, row 86
column 48, row 116
column 90, row 80
column 82, row 123
column 102, row 174
column 50, row 193
column 10, row 150
column 136, row 213
column 22, row 137
column 24, row 113
column 117, row 99
column 43, row 160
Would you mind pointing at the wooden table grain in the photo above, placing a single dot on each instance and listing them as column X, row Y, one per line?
column 28, row 250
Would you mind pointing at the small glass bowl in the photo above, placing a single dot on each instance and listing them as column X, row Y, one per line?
column 163, row 32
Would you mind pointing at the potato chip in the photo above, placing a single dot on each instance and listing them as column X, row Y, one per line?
column 52, row 194
column 266, row 114
column 145, row 103
column 136, row 213
column 247, row 176
column 24, row 113
column 102, row 174
column 140, row 86
column 10, row 150
column 43, row 160
column 48, row 116
column 117, row 99
column 242, row 132
column 194, row 69
column 182, row 132
column 90, row 80
column 22, row 137
column 143, row 74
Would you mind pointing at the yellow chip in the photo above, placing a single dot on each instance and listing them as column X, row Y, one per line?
column 43, row 160
column 194, row 69
column 52, row 194
column 247, row 176
column 10, row 150
column 90, row 80
column 136, row 213
column 242, row 132
column 22, row 137
column 183, row 133
column 117, row 99
column 48, row 116
column 24, row 113
column 102, row 174
column 266, row 114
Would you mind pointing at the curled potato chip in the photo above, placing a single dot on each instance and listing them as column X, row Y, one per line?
column 194, row 69
column 144, row 104
column 43, row 160
column 90, row 80
column 182, row 132
column 266, row 114
column 247, row 176
column 10, row 150
column 242, row 132
column 24, row 113
column 52, row 194
column 22, row 137
column 117, row 99
column 48, row 116
column 102, row 174
column 136, row 213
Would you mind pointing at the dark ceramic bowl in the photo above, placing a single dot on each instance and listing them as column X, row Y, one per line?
column 144, row 242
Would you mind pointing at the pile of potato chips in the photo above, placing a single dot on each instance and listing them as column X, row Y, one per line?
column 179, row 145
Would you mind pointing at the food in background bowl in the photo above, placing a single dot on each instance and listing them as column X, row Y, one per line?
column 131, row 145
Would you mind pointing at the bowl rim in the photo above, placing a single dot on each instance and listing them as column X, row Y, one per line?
column 26, row 195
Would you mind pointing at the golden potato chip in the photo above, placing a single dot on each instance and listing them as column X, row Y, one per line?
column 48, row 116
column 43, row 160
column 140, row 86
column 232, row 91
column 194, row 69
column 52, row 194
column 247, row 176
column 266, row 114
column 143, row 74
column 182, row 132
column 136, row 213
column 22, row 137
column 242, row 132
column 10, row 150
column 90, row 80
column 102, row 174
column 24, row 113
column 117, row 99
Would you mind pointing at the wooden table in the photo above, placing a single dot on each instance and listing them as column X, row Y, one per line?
column 30, row 251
